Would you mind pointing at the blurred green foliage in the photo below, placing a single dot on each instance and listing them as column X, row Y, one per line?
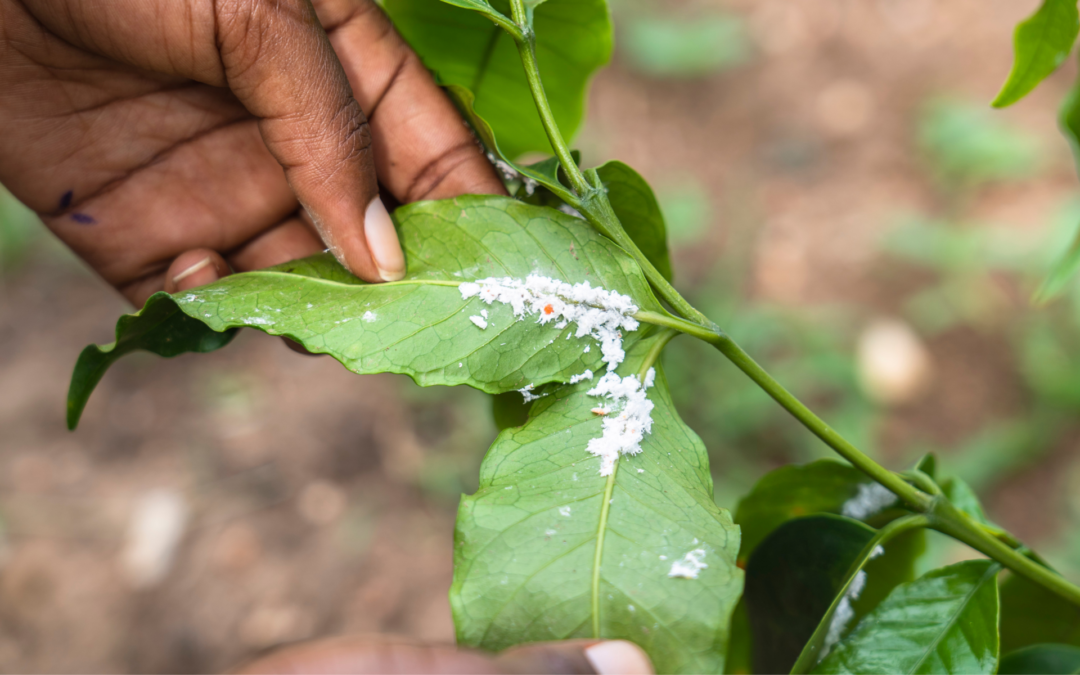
column 19, row 230
column 689, row 42
column 969, row 144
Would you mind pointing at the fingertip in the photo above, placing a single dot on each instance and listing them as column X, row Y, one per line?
column 383, row 243
column 618, row 657
column 194, row 268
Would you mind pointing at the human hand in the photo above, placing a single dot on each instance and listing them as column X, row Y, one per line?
column 166, row 141
column 363, row 655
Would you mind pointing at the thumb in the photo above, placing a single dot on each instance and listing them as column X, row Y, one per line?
column 279, row 62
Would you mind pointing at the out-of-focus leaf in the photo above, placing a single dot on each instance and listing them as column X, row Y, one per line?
column 684, row 46
column 419, row 326
column 1041, row 42
column 824, row 486
column 791, row 580
column 968, row 144
column 548, row 549
column 686, row 210
column 1069, row 262
column 1048, row 659
column 964, row 498
column 943, row 622
column 1032, row 614
column 635, row 204
column 464, row 48
column 19, row 228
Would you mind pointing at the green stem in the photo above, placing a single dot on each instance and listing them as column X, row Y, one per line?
column 810, row 653
column 912, row 496
column 597, row 210
column 594, row 205
column 654, row 353
column 527, row 49
column 949, row 520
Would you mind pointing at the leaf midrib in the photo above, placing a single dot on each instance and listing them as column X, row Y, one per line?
column 991, row 571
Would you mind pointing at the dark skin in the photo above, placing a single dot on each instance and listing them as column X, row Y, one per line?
column 152, row 135
column 170, row 142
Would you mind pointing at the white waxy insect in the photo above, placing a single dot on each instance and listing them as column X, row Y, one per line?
column 692, row 563
column 599, row 314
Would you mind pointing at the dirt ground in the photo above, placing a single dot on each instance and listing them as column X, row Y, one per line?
column 314, row 502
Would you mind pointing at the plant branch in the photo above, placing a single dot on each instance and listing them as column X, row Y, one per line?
column 912, row 496
column 593, row 203
column 949, row 520
column 654, row 353
column 527, row 49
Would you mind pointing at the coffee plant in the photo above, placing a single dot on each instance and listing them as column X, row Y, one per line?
column 595, row 515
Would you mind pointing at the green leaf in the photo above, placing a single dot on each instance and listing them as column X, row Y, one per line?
column 573, row 39
column 791, row 580
column 1060, row 274
column 943, row 622
column 509, row 410
column 631, row 198
column 1069, row 262
column 1040, row 44
column 1032, row 614
column 548, row 549
column 824, row 486
column 928, row 465
column 636, row 207
column 161, row 328
column 481, row 6
column 884, row 562
column 740, row 645
column 964, row 498
column 545, row 173
column 419, row 326
column 1048, row 659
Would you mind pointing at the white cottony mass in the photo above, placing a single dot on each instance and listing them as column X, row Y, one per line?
column 602, row 315
column 625, row 428
column 598, row 313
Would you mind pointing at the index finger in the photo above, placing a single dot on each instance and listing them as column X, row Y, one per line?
column 423, row 149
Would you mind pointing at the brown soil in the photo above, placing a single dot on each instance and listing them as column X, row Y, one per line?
column 323, row 503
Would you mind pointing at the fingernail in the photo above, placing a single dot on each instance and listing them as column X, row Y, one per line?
column 382, row 241
column 191, row 270
column 618, row 657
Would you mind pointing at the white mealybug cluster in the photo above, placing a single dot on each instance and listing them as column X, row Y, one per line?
column 871, row 498
column 688, row 568
column 587, row 375
column 510, row 173
column 844, row 613
column 625, row 428
column 480, row 321
column 598, row 313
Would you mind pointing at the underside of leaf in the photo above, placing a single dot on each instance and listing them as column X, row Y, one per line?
column 549, row 549
column 421, row 326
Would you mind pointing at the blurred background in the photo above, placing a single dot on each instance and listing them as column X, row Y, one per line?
column 839, row 197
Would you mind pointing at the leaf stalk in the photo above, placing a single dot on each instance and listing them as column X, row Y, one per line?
column 947, row 519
